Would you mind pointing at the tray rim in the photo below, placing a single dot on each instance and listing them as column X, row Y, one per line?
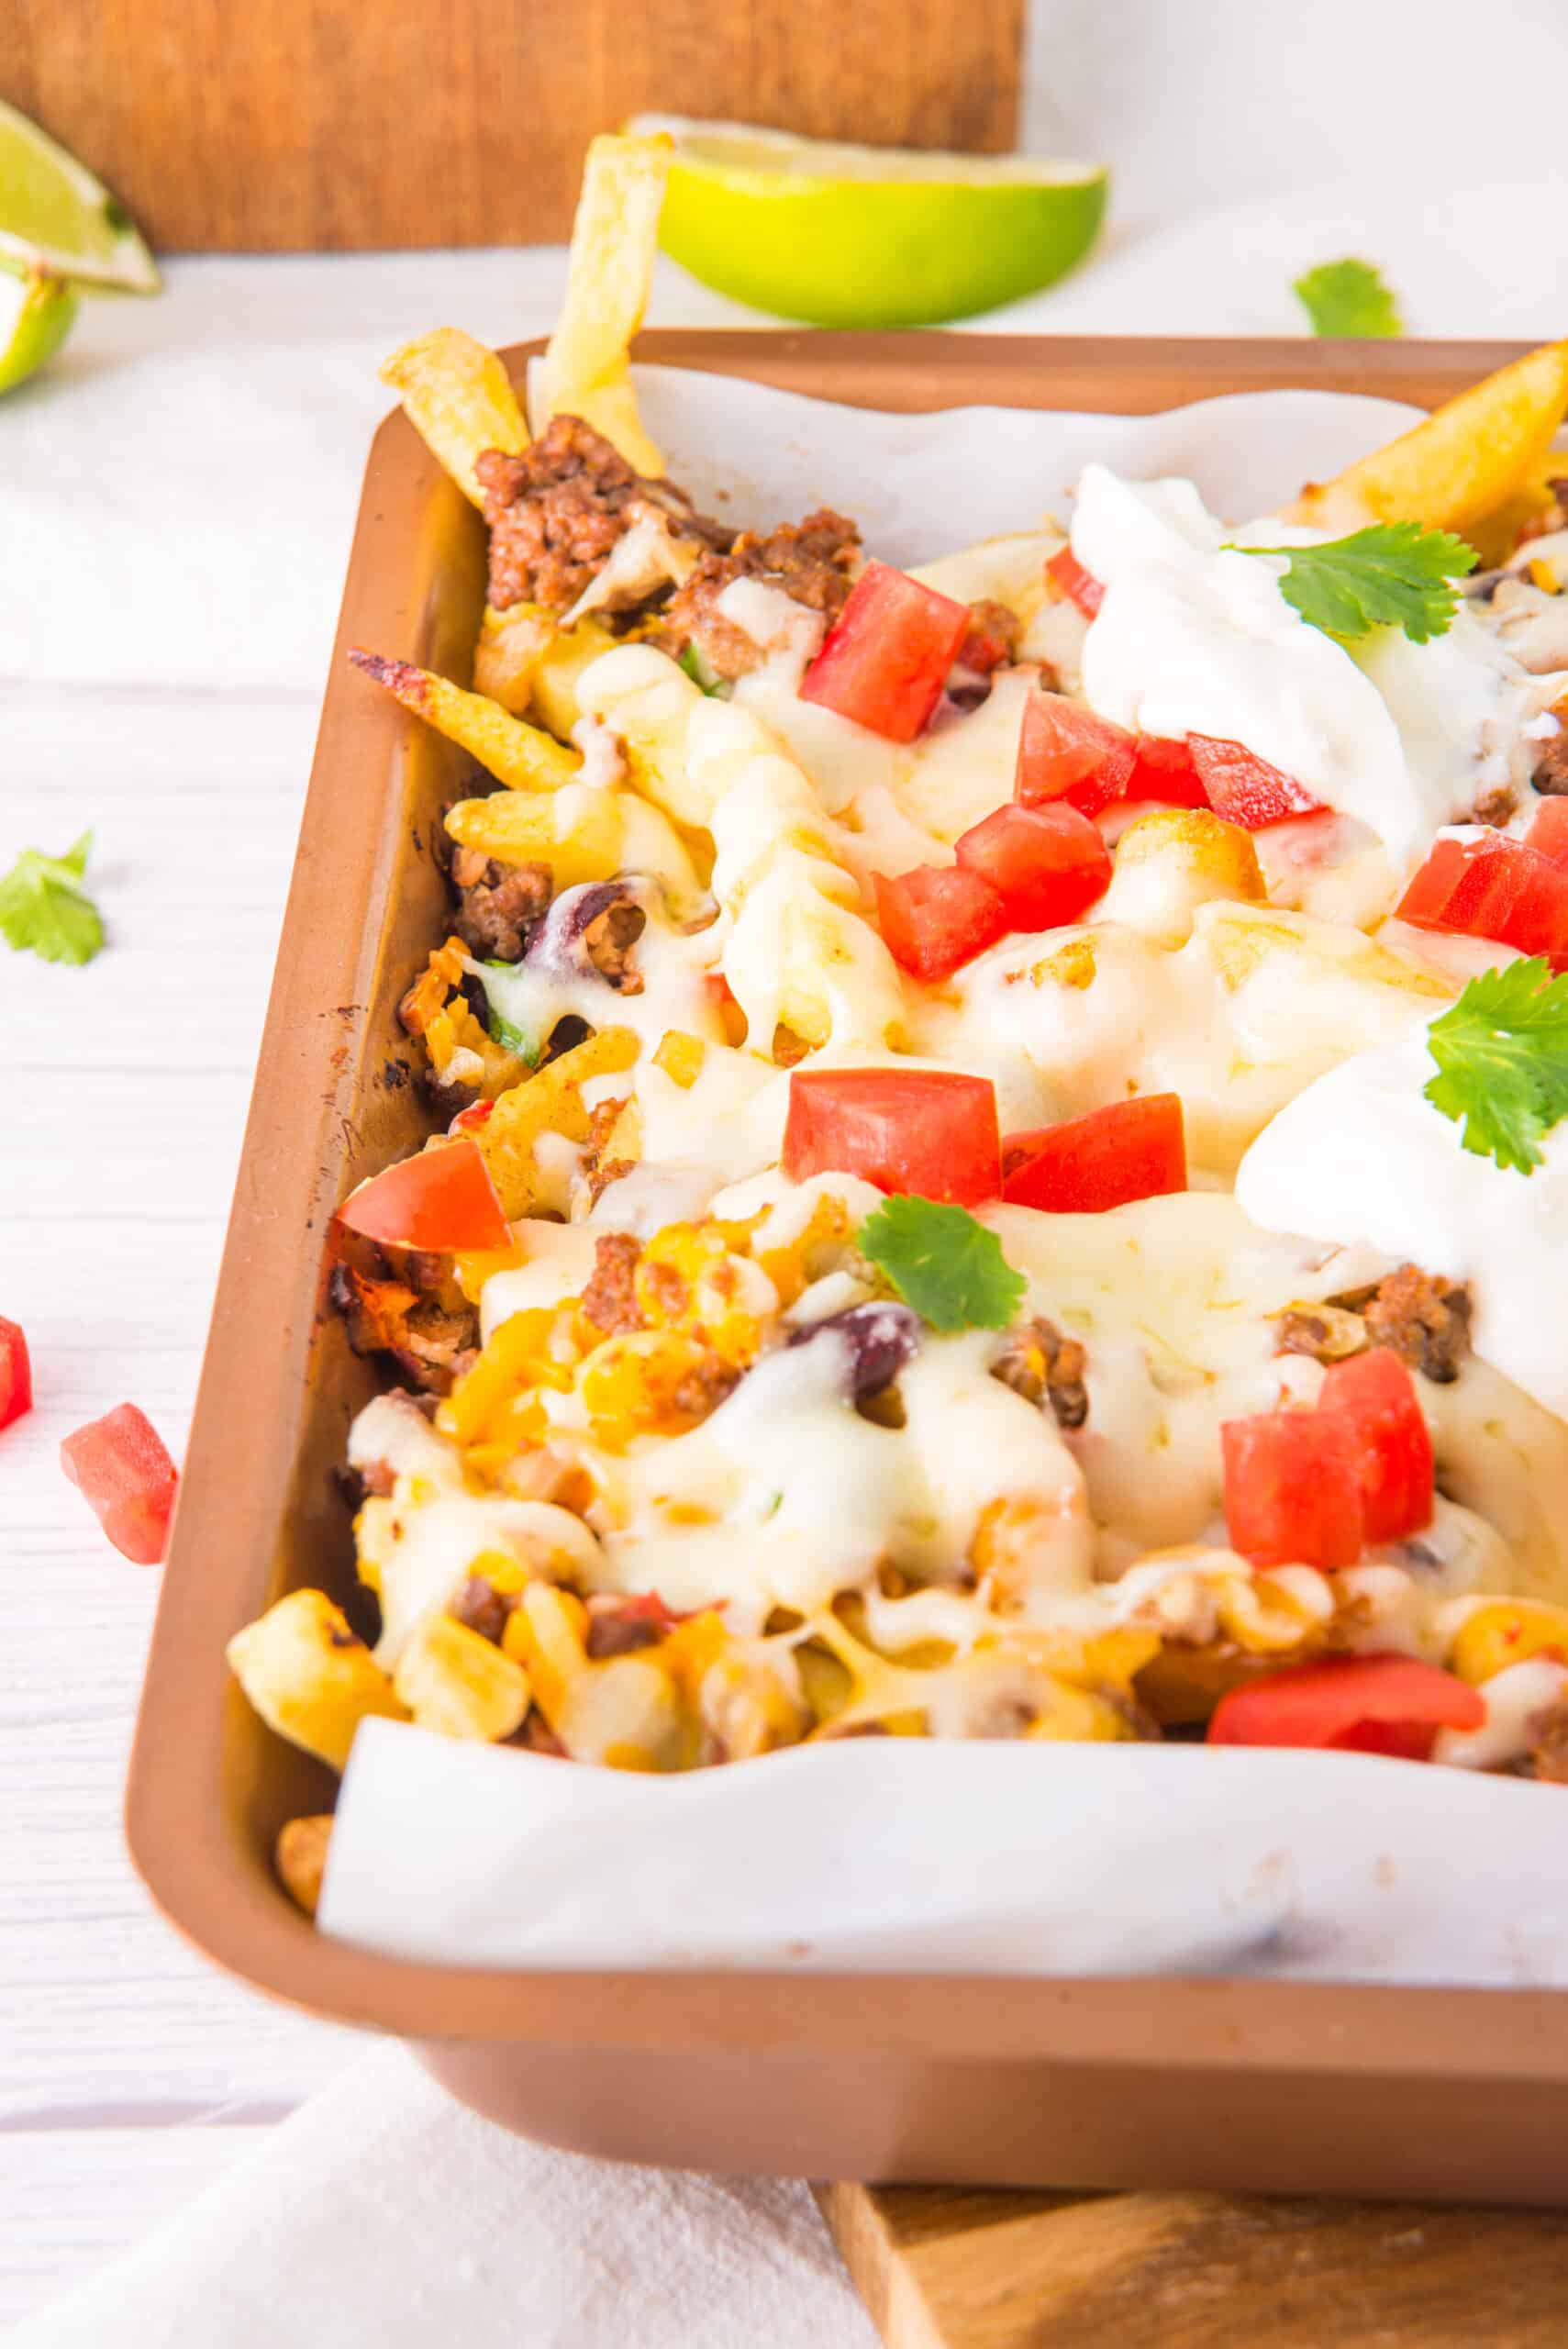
column 182, row 1841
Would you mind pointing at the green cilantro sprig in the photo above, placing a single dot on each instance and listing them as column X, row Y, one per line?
column 1348, row 298
column 1502, row 1056
column 1393, row 574
column 943, row 1263
column 45, row 910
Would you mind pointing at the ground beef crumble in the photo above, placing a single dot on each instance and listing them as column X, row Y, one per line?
column 1037, row 1363
column 498, row 905
column 609, row 1301
column 557, row 510
column 1424, row 1320
column 1550, row 773
column 810, row 561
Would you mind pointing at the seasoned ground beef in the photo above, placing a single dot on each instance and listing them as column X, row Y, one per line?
column 431, row 1344
column 556, row 512
column 808, row 561
column 609, row 1301
column 1037, row 1363
column 498, row 905
column 992, row 639
column 1424, row 1320
column 607, row 941
column 1327, row 1332
column 620, row 1626
column 704, row 1387
column 1550, row 772
column 1548, row 1755
column 483, row 1607
column 1499, row 807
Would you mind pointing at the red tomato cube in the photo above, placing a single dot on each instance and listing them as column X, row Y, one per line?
column 1047, row 864
column 1365, row 1704
column 1549, row 830
column 121, row 1467
column 1066, row 751
column 1292, row 1488
column 922, row 1130
column 16, row 1372
column 440, row 1199
column 1133, row 1150
column 1076, row 584
column 1243, row 788
column 887, row 655
column 937, row 917
column 1493, row 887
column 1376, row 1395
column 1164, row 770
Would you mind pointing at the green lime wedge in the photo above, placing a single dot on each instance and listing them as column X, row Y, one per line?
column 35, row 312
column 54, row 215
column 848, row 236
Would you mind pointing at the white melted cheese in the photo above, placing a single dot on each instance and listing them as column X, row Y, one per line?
column 673, row 965
column 1362, row 1155
column 1193, row 638
column 1516, row 1700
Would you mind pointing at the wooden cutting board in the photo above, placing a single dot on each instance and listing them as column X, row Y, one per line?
column 353, row 123
column 953, row 2268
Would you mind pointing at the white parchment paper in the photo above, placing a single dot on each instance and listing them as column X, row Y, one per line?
column 904, row 1853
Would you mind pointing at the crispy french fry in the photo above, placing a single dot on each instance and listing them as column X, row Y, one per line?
column 1464, row 460
column 508, row 650
column 460, row 1685
column 550, row 1102
column 614, row 239
column 583, row 833
column 458, row 396
column 518, row 755
column 309, row 1676
column 1496, row 534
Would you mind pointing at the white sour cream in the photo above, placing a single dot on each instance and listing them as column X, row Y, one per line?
column 1363, row 1156
column 1195, row 639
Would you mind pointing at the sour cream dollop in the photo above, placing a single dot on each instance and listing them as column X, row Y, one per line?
column 1362, row 1157
column 1194, row 637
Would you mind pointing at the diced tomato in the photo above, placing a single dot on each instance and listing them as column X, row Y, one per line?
column 1133, row 1150
column 1242, row 788
column 1493, row 887
column 120, row 1465
column 925, row 1130
column 1080, row 587
column 1293, row 1492
column 1549, row 830
column 469, row 1120
column 937, row 917
column 1366, row 1704
column 1164, row 770
column 1376, row 1395
column 440, row 1199
column 16, row 1372
column 888, row 653
column 1066, row 751
column 1047, row 864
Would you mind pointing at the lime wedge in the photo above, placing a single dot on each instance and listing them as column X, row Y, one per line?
column 36, row 311
column 55, row 215
column 848, row 236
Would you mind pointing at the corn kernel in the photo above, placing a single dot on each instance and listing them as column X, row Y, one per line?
column 681, row 1057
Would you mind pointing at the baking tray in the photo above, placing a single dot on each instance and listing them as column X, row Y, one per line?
column 1272, row 2087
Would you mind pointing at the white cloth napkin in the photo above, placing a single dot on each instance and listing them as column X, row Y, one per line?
column 384, row 2216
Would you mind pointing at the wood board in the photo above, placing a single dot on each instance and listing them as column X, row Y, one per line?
column 330, row 124
column 941, row 2267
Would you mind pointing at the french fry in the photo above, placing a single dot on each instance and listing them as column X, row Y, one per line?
column 460, row 1685
column 458, row 396
column 310, row 1676
column 1462, row 462
column 614, row 239
column 1497, row 535
column 518, row 755
column 1172, row 861
column 550, row 1102
column 299, row 1857
column 583, row 834
column 509, row 648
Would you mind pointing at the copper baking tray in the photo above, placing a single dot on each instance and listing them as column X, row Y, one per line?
column 1272, row 2087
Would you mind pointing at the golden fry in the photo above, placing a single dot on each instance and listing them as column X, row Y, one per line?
column 1462, row 462
column 310, row 1676
column 614, row 239
column 459, row 396
column 517, row 754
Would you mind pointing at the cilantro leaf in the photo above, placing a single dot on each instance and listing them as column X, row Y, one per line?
column 943, row 1263
column 1502, row 1056
column 45, row 910
column 1394, row 575
column 1348, row 298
